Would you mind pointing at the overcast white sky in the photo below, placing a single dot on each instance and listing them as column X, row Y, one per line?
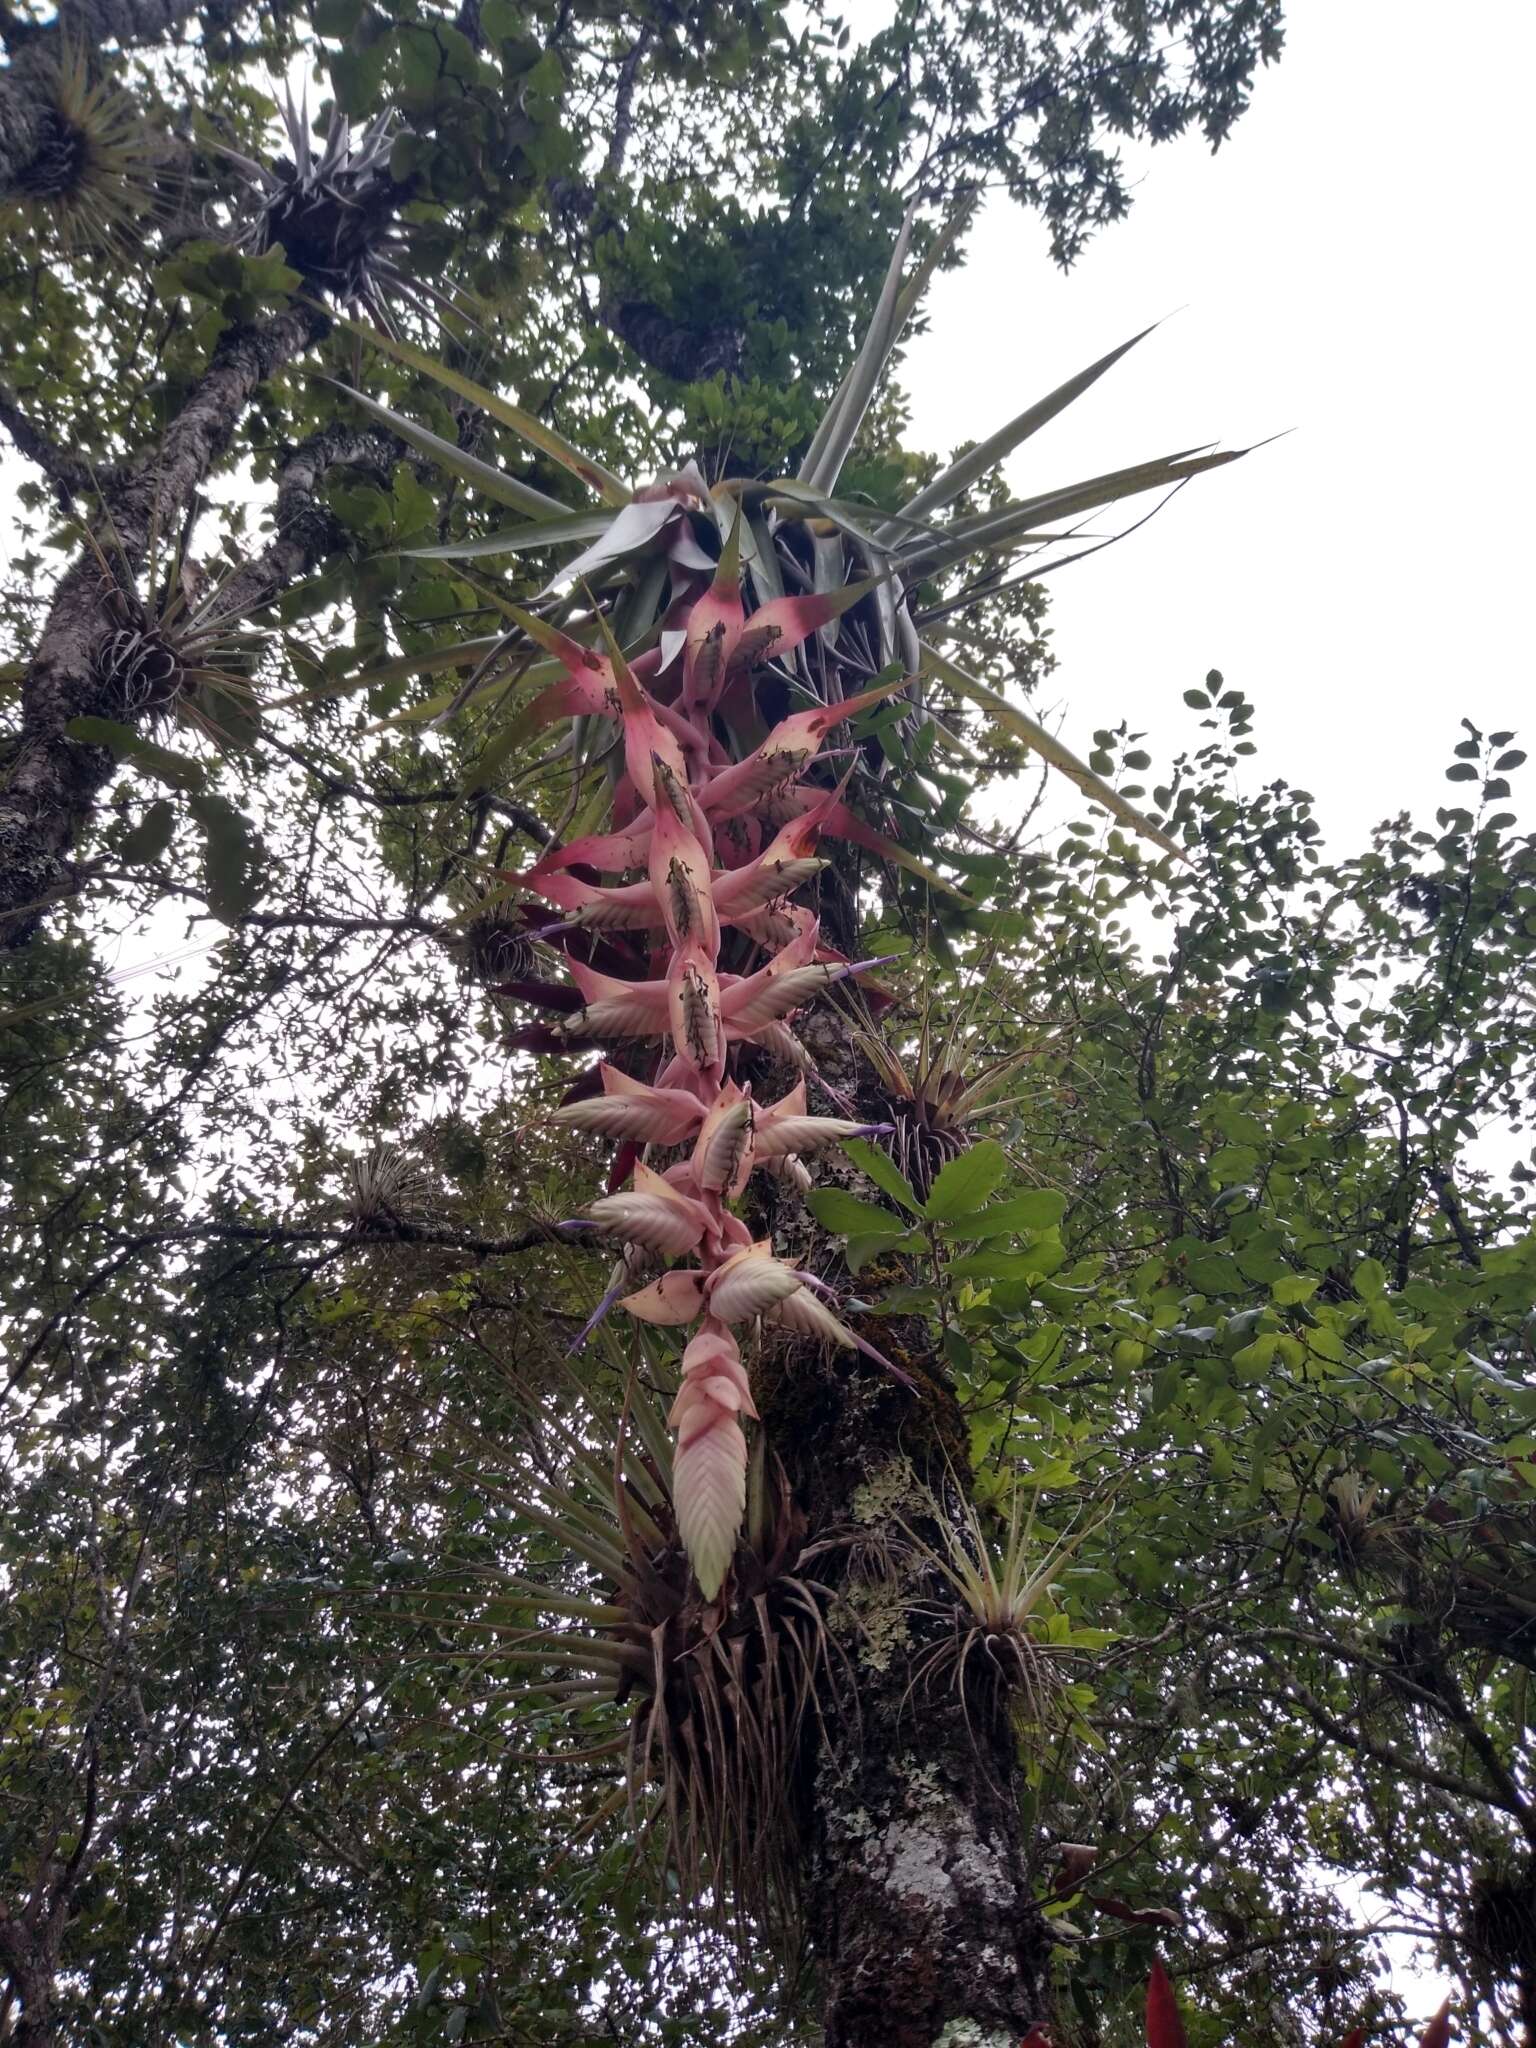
column 1355, row 263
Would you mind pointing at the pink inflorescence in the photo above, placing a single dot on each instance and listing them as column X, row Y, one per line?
column 720, row 842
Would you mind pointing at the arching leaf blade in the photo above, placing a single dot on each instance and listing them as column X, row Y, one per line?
column 992, row 531
column 962, row 473
column 517, row 540
column 506, row 490
column 1044, row 743
column 611, row 489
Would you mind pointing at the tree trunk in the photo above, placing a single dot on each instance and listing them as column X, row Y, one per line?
column 918, row 1898
column 28, row 1955
column 919, row 1905
column 53, row 780
column 23, row 119
column 920, row 1908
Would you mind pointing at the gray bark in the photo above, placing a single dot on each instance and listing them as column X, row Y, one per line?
column 306, row 530
column 918, row 1899
column 53, row 780
column 23, row 109
column 29, row 1956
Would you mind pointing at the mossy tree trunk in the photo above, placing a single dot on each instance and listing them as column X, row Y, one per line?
column 918, row 1893
column 918, row 1885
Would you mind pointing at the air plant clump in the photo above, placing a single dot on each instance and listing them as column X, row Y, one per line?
column 719, row 1696
column 493, row 944
column 333, row 210
column 385, row 1188
column 1351, row 1514
column 935, row 1099
column 994, row 1642
column 175, row 648
column 92, row 175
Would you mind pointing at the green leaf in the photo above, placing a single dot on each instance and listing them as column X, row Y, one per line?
column 462, row 654
column 1233, row 1163
column 1014, row 525
column 970, row 467
column 835, row 1209
column 229, row 856
column 499, row 749
column 1370, row 1280
column 833, row 438
column 531, row 429
column 965, row 1183
column 1040, row 1209
column 1294, row 1288
column 129, row 745
column 457, row 461
column 996, row 1264
column 515, row 540
column 838, row 430
column 151, row 835
column 1215, row 1273
column 879, row 1167
column 1056, row 1473
column 861, row 1249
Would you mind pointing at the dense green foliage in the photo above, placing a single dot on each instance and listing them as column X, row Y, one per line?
column 1250, row 1294
column 1237, row 1285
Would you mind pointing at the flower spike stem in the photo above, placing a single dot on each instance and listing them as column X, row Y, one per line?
column 693, row 883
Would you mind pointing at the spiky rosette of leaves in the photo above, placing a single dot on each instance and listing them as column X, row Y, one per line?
column 1001, row 1638
column 385, row 1187
column 731, row 662
column 175, row 649
column 1351, row 1514
column 714, row 1695
column 936, row 1098
column 333, row 210
column 492, row 943
column 93, row 175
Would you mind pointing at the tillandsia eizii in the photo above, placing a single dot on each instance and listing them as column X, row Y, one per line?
column 722, row 843
column 715, row 827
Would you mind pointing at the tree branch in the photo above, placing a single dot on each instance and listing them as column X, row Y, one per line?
column 306, row 530
column 328, row 1242
column 54, row 780
column 527, row 821
column 66, row 473
column 624, row 104
column 1365, row 1746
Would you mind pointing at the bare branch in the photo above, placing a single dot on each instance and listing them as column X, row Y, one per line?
column 624, row 104
column 66, row 473
column 307, row 531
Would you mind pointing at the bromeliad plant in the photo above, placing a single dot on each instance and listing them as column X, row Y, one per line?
column 715, row 1702
column 92, row 176
column 686, row 798
column 333, row 211
column 719, row 657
